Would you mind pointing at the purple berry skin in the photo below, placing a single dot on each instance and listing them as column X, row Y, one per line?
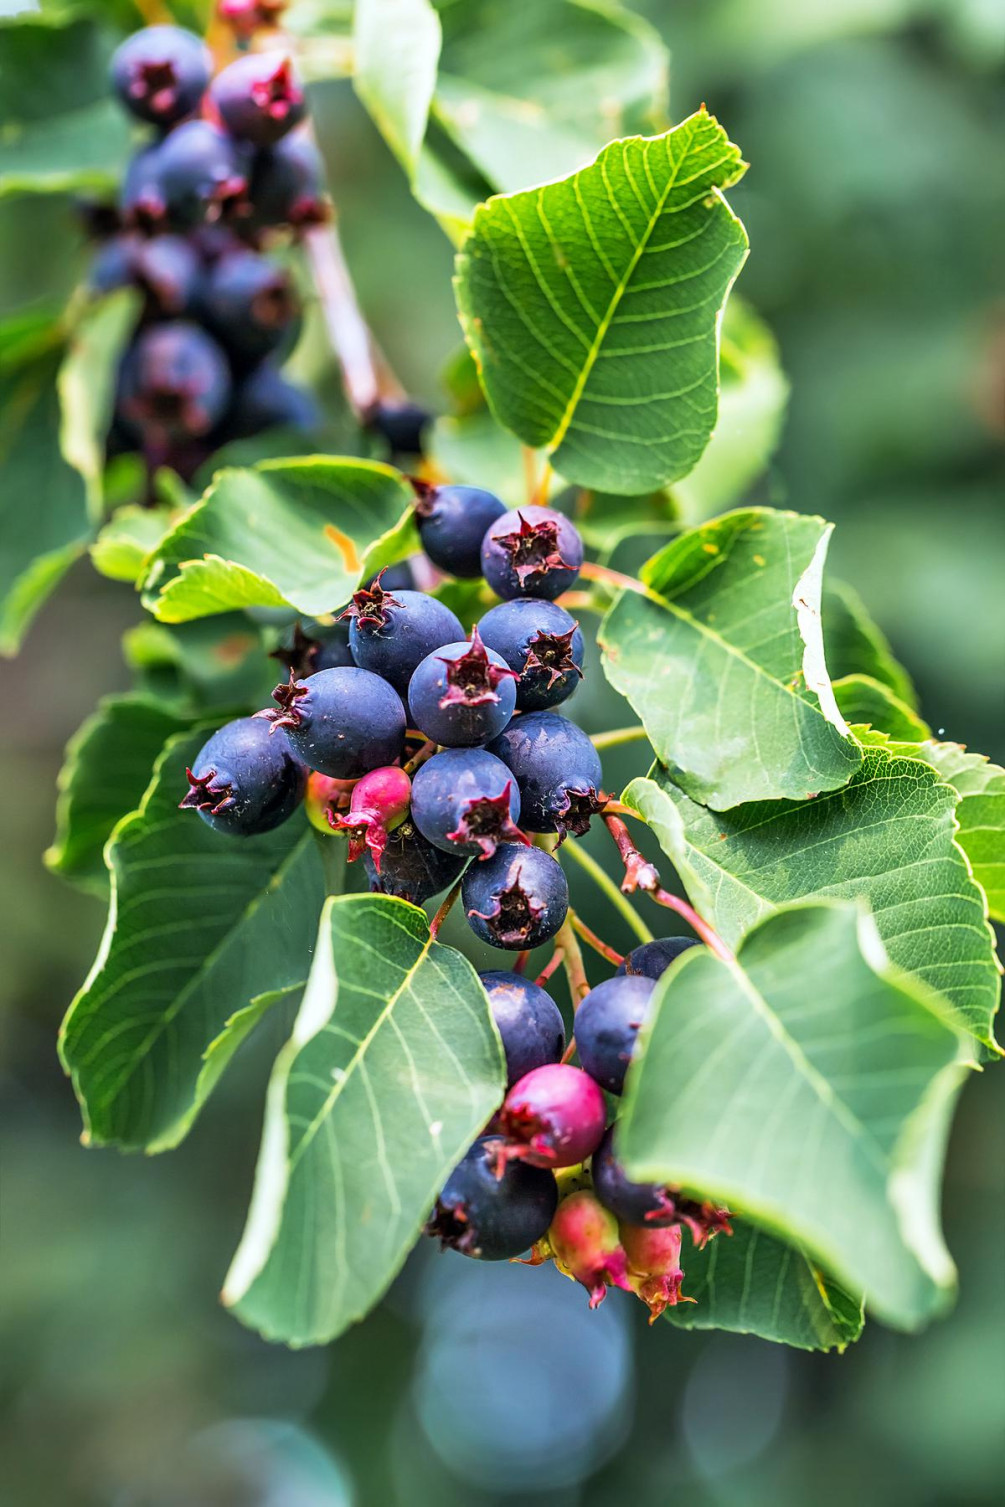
column 142, row 196
column 452, row 524
column 167, row 269
column 265, row 400
column 462, row 695
column 341, row 722
column 411, row 868
column 516, row 899
column 557, row 768
column 333, row 652
column 528, row 1020
column 539, row 640
column 200, row 172
column 401, row 424
column 553, row 1116
column 287, row 185
column 391, row 633
column 249, row 304
column 466, row 801
column 493, row 1218
column 652, row 959
column 646, row 1204
column 174, row 383
column 531, row 552
column 259, row 97
column 244, row 781
column 161, row 73
column 607, row 1026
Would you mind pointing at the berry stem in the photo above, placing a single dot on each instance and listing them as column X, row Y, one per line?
column 420, row 756
column 639, row 872
column 521, row 961
column 550, row 967
column 529, row 471
column 604, row 882
column 616, row 737
column 590, row 571
column 572, row 960
column 711, row 939
column 444, row 912
column 592, row 940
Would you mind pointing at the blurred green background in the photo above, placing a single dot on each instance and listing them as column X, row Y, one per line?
column 875, row 207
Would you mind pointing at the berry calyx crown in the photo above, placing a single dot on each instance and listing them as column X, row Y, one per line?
column 472, row 677
column 533, row 548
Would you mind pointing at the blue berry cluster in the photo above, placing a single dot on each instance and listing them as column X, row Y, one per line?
column 222, row 173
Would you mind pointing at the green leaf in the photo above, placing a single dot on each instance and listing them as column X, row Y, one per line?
column 86, row 384
column 754, row 1284
column 871, row 703
column 723, row 660
column 106, row 770
column 42, row 498
column 818, row 1113
column 855, row 645
column 297, row 533
column 397, row 45
column 214, row 664
column 475, row 450
column 980, row 813
column 887, row 837
column 393, row 1068
column 592, row 306
column 58, row 128
column 605, row 519
column 200, row 927
column 128, row 539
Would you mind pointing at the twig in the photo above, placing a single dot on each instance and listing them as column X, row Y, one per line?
column 347, row 329
column 639, row 872
column 604, row 882
column 572, row 961
column 597, row 943
column 444, row 911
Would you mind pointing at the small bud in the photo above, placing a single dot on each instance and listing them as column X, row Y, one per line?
column 378, row 804
column 586, row 1246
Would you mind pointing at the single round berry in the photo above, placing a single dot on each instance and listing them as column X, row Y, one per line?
column 528, row 1020
column 169, row 271
column 635, row 1203
column 531, row 552
column 401, row 424
column 542, row 643
column 607, row 1025
column 411, row 868
column 553, row 1116
column 265, row 400
column 586, row 1243
column 391, row 633
column 243, row 781
column 200, row 172
column 259, row 97
column 452, row 524
column 287, row 185
column 652, row 959
column 142, row 196
column 249, row 304
column 465, row 800
column 516, row 899
column 462, row 694
column 379, row 804
column 558, row 771
column 174, row 383
column 302, row 652
column 493, row 1218
column 341, row 722
column 161, row 73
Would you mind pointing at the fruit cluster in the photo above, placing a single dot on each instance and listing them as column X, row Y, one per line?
column 435, row 754
column 223, row 173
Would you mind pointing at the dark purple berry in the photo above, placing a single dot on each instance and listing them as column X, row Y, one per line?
column 400, row 423
column 553, row 1116
column 490, row 1217
column 464, row 800
column 411, row 868
column 142, row 197
column 462, row 694
column 528, row 1020
column 539, row 640
column 452, row 524
column 265, row 400
column 174, row 383
column 167, row 268
column 287, row 185
column 607, row 1026
column 161, row 73
column 249, row 304
column 200, row 174
column 322, row 649
column 652, row 959
column 243, row 781
column 650, row 1204
column 341, row 722
column 259, row 98
column 516, row 899
column 391, row 633
column 557, row 769
column 531, row 552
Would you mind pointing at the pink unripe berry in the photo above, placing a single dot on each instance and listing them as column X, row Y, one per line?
column 584, row 1239
column 654, row 1270
column 554, row 1116
column 323, row 795
column 378, row 804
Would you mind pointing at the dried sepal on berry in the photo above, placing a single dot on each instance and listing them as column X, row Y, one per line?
column 486, row 822
column 472, row 678
column 286, row 713
column 207, row 793
column 586, row 1244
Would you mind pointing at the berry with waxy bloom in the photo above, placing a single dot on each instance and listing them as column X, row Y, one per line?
column 554, row 1116
column 652, row 959
column 528, row 1021
column 466, row 800
column 342, row 722
column 378, row 804
column 653, row 1205
column 161, row 72
column 607, row 1026
column 516, row 899
column 586, row 1245
column 243, row 782
column 557, row 769
column 531, row 552
column 542, row 643
column 259, row 98
column 462, row 694
column 391, row 633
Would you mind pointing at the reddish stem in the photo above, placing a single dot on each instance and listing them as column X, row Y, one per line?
column 570, row 1050
column 640, row 874
column 598, row 945
column 420, row 756
column 444, row 911
column 711, row 939
column 521, row 960
column 550, row 967
column 590, row 571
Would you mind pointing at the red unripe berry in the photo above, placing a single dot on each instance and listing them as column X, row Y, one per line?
column 378, row 804
column 554, row 1116
column 654, row 1270
column 585, row 1241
